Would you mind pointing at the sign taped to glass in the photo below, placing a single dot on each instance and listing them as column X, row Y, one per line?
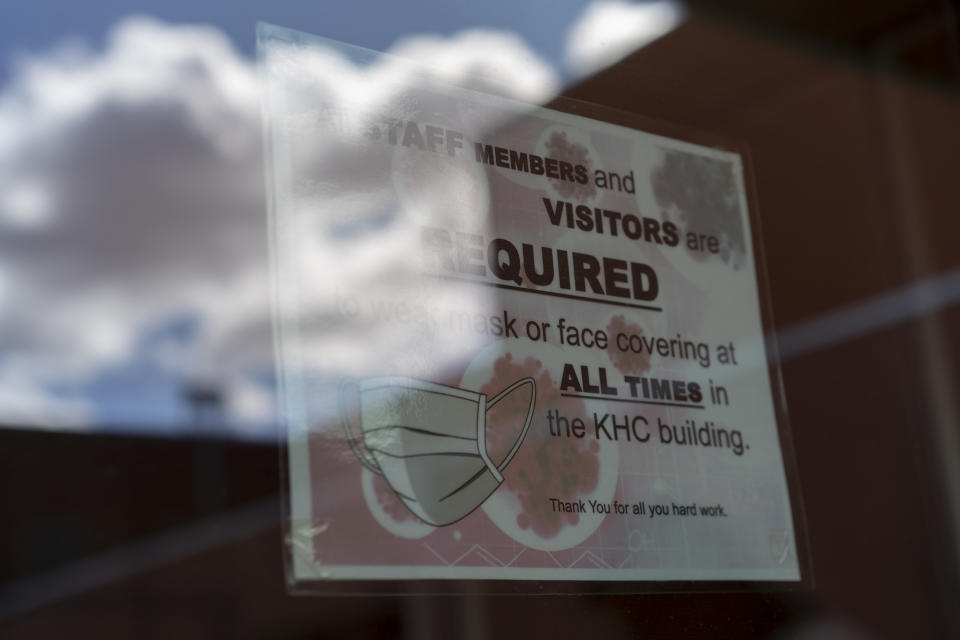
column 514, row 343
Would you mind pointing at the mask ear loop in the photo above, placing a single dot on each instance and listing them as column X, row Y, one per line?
column 526, row 423
column 365, row 458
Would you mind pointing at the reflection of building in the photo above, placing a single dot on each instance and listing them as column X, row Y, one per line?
column 854, row 171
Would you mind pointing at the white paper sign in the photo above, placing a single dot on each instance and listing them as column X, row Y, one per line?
column 514, row 343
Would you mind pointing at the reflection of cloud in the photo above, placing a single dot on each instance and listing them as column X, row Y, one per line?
column 250, row 403
column 713, row 209
column 495, row 62
column 133, row 196
column 25, row 403
column 136, row 176
column 350, row 203
column 611, row 29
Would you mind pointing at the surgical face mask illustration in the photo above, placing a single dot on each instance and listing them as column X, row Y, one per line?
column 428, row 441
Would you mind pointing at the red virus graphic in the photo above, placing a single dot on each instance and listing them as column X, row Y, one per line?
column 545, row 466
column 560, row 148
column 627, row 362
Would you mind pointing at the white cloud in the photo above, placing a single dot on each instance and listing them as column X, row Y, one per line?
column 250, row 405
column 25, row 402
column 26, row 205
column 609, row 30
column 491, row 61
column 142, row 158
column 132, row 184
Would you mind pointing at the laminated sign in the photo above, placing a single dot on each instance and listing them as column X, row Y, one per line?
column 514, row 343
